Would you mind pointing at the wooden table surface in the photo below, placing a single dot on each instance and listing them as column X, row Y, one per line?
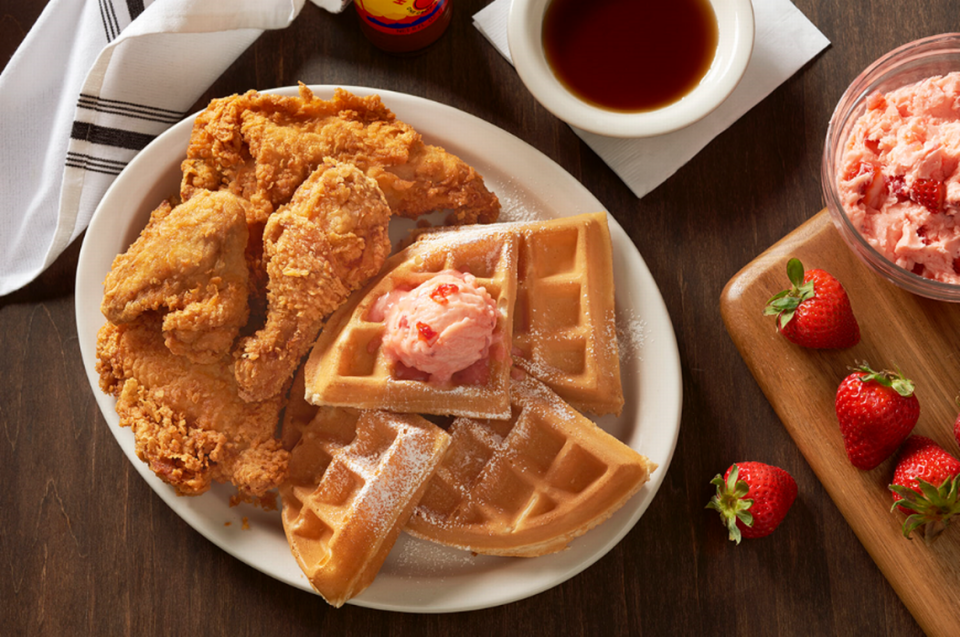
column 88, row 548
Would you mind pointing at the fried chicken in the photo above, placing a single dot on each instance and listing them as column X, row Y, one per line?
column 432, row 179
column 190, row 425
column 263, row 147
column 286, row 204
column 189, row 261
column 327, row 242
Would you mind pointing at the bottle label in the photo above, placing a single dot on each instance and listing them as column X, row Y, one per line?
column 399, row 17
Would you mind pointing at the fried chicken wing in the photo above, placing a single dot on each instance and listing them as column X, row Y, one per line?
column 190, row 425
column 264, row 146
column 327, row 242
column 188, row 262
column 433, row 179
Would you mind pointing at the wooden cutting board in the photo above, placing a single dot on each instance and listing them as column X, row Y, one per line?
column 919, row 336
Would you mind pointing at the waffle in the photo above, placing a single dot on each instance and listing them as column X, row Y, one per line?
column 528, row 485
column 560, row 320
column 347, row 367
column 354, row 480
column 564, row 323
column 564, row 327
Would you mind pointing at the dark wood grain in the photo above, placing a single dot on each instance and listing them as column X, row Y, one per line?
column 88, row 548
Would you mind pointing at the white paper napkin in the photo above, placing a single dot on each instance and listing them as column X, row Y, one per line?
column 785, row 41
column 333, row 6
column 92, row 83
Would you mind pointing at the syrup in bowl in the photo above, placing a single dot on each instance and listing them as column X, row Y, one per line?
column 630, row 55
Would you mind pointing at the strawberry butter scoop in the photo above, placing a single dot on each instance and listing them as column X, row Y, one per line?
column 443, row 326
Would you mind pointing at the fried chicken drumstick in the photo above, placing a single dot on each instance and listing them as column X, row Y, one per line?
column 327, row 242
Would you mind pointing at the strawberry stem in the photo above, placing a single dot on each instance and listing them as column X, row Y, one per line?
column 784, row 304
column 731, row 503
column 931, row 509
column 895, row 380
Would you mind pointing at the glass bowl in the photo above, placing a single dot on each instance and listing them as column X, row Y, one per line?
column 908, row 64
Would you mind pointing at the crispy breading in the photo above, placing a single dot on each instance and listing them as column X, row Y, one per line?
column 190, row 425
column 188, row 262
column 264, row 146
column 327, row 242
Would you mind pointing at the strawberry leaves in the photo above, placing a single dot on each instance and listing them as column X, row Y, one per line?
column 925, row 485
column 932, row 508
column 784, row 304
column 894, row 380
column 731, row 502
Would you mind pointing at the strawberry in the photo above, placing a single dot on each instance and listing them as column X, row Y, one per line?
column 753, row 498
column 874, row 190
column 925, row 486
column 876, row 411
column 898, row 186
column 928, row 193
column 815, row 312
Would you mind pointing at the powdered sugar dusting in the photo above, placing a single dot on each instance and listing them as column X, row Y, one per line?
column 515, row 204
column 631, row 334
column 520, row 213
column 417, row 558
column 391, row 478
column 534, row 395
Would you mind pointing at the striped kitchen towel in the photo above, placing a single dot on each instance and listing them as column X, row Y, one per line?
column 93, row 82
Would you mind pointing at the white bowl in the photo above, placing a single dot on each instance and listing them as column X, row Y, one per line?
column 735, row 30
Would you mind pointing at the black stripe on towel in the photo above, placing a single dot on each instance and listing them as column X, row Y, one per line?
column 85, row 165
column 133, row 111
column 95, row 164
column 109, row 136
column 135, row 7
column 99, row 161
column 96, row 99
column 109, row 17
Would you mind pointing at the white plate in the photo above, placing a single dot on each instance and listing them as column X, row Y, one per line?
column 418, row 576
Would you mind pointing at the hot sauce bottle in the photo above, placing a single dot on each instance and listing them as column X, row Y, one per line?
column 403, row 26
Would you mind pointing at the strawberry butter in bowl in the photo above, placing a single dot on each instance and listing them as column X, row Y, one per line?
column 891, row 167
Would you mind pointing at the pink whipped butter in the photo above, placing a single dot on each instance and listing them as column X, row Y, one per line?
column 898, row 177
column 443, row 326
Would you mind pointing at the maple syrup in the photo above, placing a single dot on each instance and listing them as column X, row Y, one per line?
column 630, row 55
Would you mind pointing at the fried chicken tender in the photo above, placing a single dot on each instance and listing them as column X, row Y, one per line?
column 189, row 261
column 190, row 425
column 262, row 147
column 327, row 242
